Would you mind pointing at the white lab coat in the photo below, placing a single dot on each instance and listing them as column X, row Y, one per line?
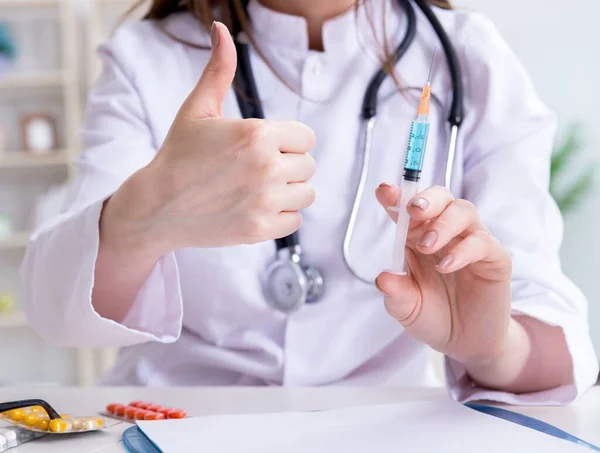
column 201, row 317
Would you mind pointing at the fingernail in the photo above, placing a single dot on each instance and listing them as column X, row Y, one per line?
column 420, row 202
column 387, row 184
column 214, row 35
column 446, row 262
column 428, row 239
column 379, row 288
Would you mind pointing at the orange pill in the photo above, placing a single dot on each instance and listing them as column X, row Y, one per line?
column 140, row 404
column 154, row 416
column 165, row 410
column 177, row 413
column 112, row 408
column 120, row 410
column 131, row 411
column 154, row 408
column 140, row 414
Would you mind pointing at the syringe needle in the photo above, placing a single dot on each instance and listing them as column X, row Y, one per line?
column 431, row 66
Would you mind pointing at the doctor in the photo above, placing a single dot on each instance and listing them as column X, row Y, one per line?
column 171, row 220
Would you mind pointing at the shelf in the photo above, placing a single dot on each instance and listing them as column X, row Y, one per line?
column 21, row 159
column 32, row 80
column 15, row 240
column 16, row 319
column 28, row 3
column 113, row 2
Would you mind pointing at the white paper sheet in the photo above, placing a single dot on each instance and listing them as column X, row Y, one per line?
column 425, row 427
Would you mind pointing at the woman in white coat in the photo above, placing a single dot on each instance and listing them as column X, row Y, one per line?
column 171, row 220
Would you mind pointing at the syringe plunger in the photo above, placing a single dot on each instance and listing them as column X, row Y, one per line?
column 409, row 190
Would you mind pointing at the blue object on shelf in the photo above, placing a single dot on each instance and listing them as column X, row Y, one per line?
column 135, row 441
column 8, row 49
column 532, row 423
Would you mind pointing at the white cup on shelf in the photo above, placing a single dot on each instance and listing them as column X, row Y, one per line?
column 5, row 226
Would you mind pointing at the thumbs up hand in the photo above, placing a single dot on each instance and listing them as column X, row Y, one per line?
column 217, row 182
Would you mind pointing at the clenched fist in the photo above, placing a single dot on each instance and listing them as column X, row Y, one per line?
column 217, row 181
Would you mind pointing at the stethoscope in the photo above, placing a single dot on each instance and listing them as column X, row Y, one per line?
column 289, row 284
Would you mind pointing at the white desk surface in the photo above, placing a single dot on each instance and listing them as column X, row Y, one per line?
column 581, row 419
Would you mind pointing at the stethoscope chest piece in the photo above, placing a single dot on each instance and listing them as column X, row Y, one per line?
column 289, row 285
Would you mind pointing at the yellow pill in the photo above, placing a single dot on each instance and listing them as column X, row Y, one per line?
column 58, row 426
column 31, row 419
column 17, row 414
column 37, row 409
column 93, row 424
column 43, row 424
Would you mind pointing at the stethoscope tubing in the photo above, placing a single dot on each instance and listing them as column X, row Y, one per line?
column 252, row 108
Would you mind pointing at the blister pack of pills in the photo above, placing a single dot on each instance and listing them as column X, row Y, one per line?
column 143, row 410
column 14, row 436
column 36, row 419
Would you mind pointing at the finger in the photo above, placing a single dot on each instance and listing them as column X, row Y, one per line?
column 285, row 224
column 430, row 203
column 297, row 167
column 460, row 217
column 402, row 299
column 294, row 137
column 388, row 195
column 294, row 197
column 206, row 100
column 478, row 247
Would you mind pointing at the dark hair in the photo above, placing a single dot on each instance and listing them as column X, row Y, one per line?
column 228, row 10
column 232, row 12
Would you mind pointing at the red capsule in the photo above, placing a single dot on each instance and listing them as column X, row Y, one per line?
column 131, row 411
column 154, row 416
column 154, row 408
column 177, row 413
column 139, row 415
column 112, row 408
column 140, row 404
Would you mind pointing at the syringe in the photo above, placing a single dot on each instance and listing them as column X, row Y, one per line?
column 413, row 164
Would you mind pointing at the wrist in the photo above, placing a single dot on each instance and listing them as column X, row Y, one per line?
column 126, row 221
column 505, row 367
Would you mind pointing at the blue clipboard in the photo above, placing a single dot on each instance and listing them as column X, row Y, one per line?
column 532, row 423
column 135, row 441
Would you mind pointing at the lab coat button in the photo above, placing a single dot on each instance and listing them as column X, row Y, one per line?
column 312, row 65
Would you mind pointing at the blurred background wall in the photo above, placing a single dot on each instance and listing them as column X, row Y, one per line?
column 558, row 42
column 554, row 39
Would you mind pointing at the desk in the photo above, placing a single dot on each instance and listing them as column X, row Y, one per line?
column 580, row 419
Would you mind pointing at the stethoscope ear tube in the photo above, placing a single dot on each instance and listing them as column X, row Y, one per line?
column 369, row 124
column 450, row 157
column 369, row 106
column 457, row 109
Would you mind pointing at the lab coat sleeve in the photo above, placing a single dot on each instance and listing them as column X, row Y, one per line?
column 508, row 140
column 58, row 268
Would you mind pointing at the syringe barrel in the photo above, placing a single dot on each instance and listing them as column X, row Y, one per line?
column 409, row 190
column 415, row 151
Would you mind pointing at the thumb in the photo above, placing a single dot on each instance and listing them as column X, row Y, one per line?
column 429, row 323
column 206, row 100
column 402, row 298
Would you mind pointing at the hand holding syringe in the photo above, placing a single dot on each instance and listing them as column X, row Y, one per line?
column 413, row 164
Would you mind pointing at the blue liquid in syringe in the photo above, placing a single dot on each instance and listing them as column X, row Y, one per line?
column 415, row 153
